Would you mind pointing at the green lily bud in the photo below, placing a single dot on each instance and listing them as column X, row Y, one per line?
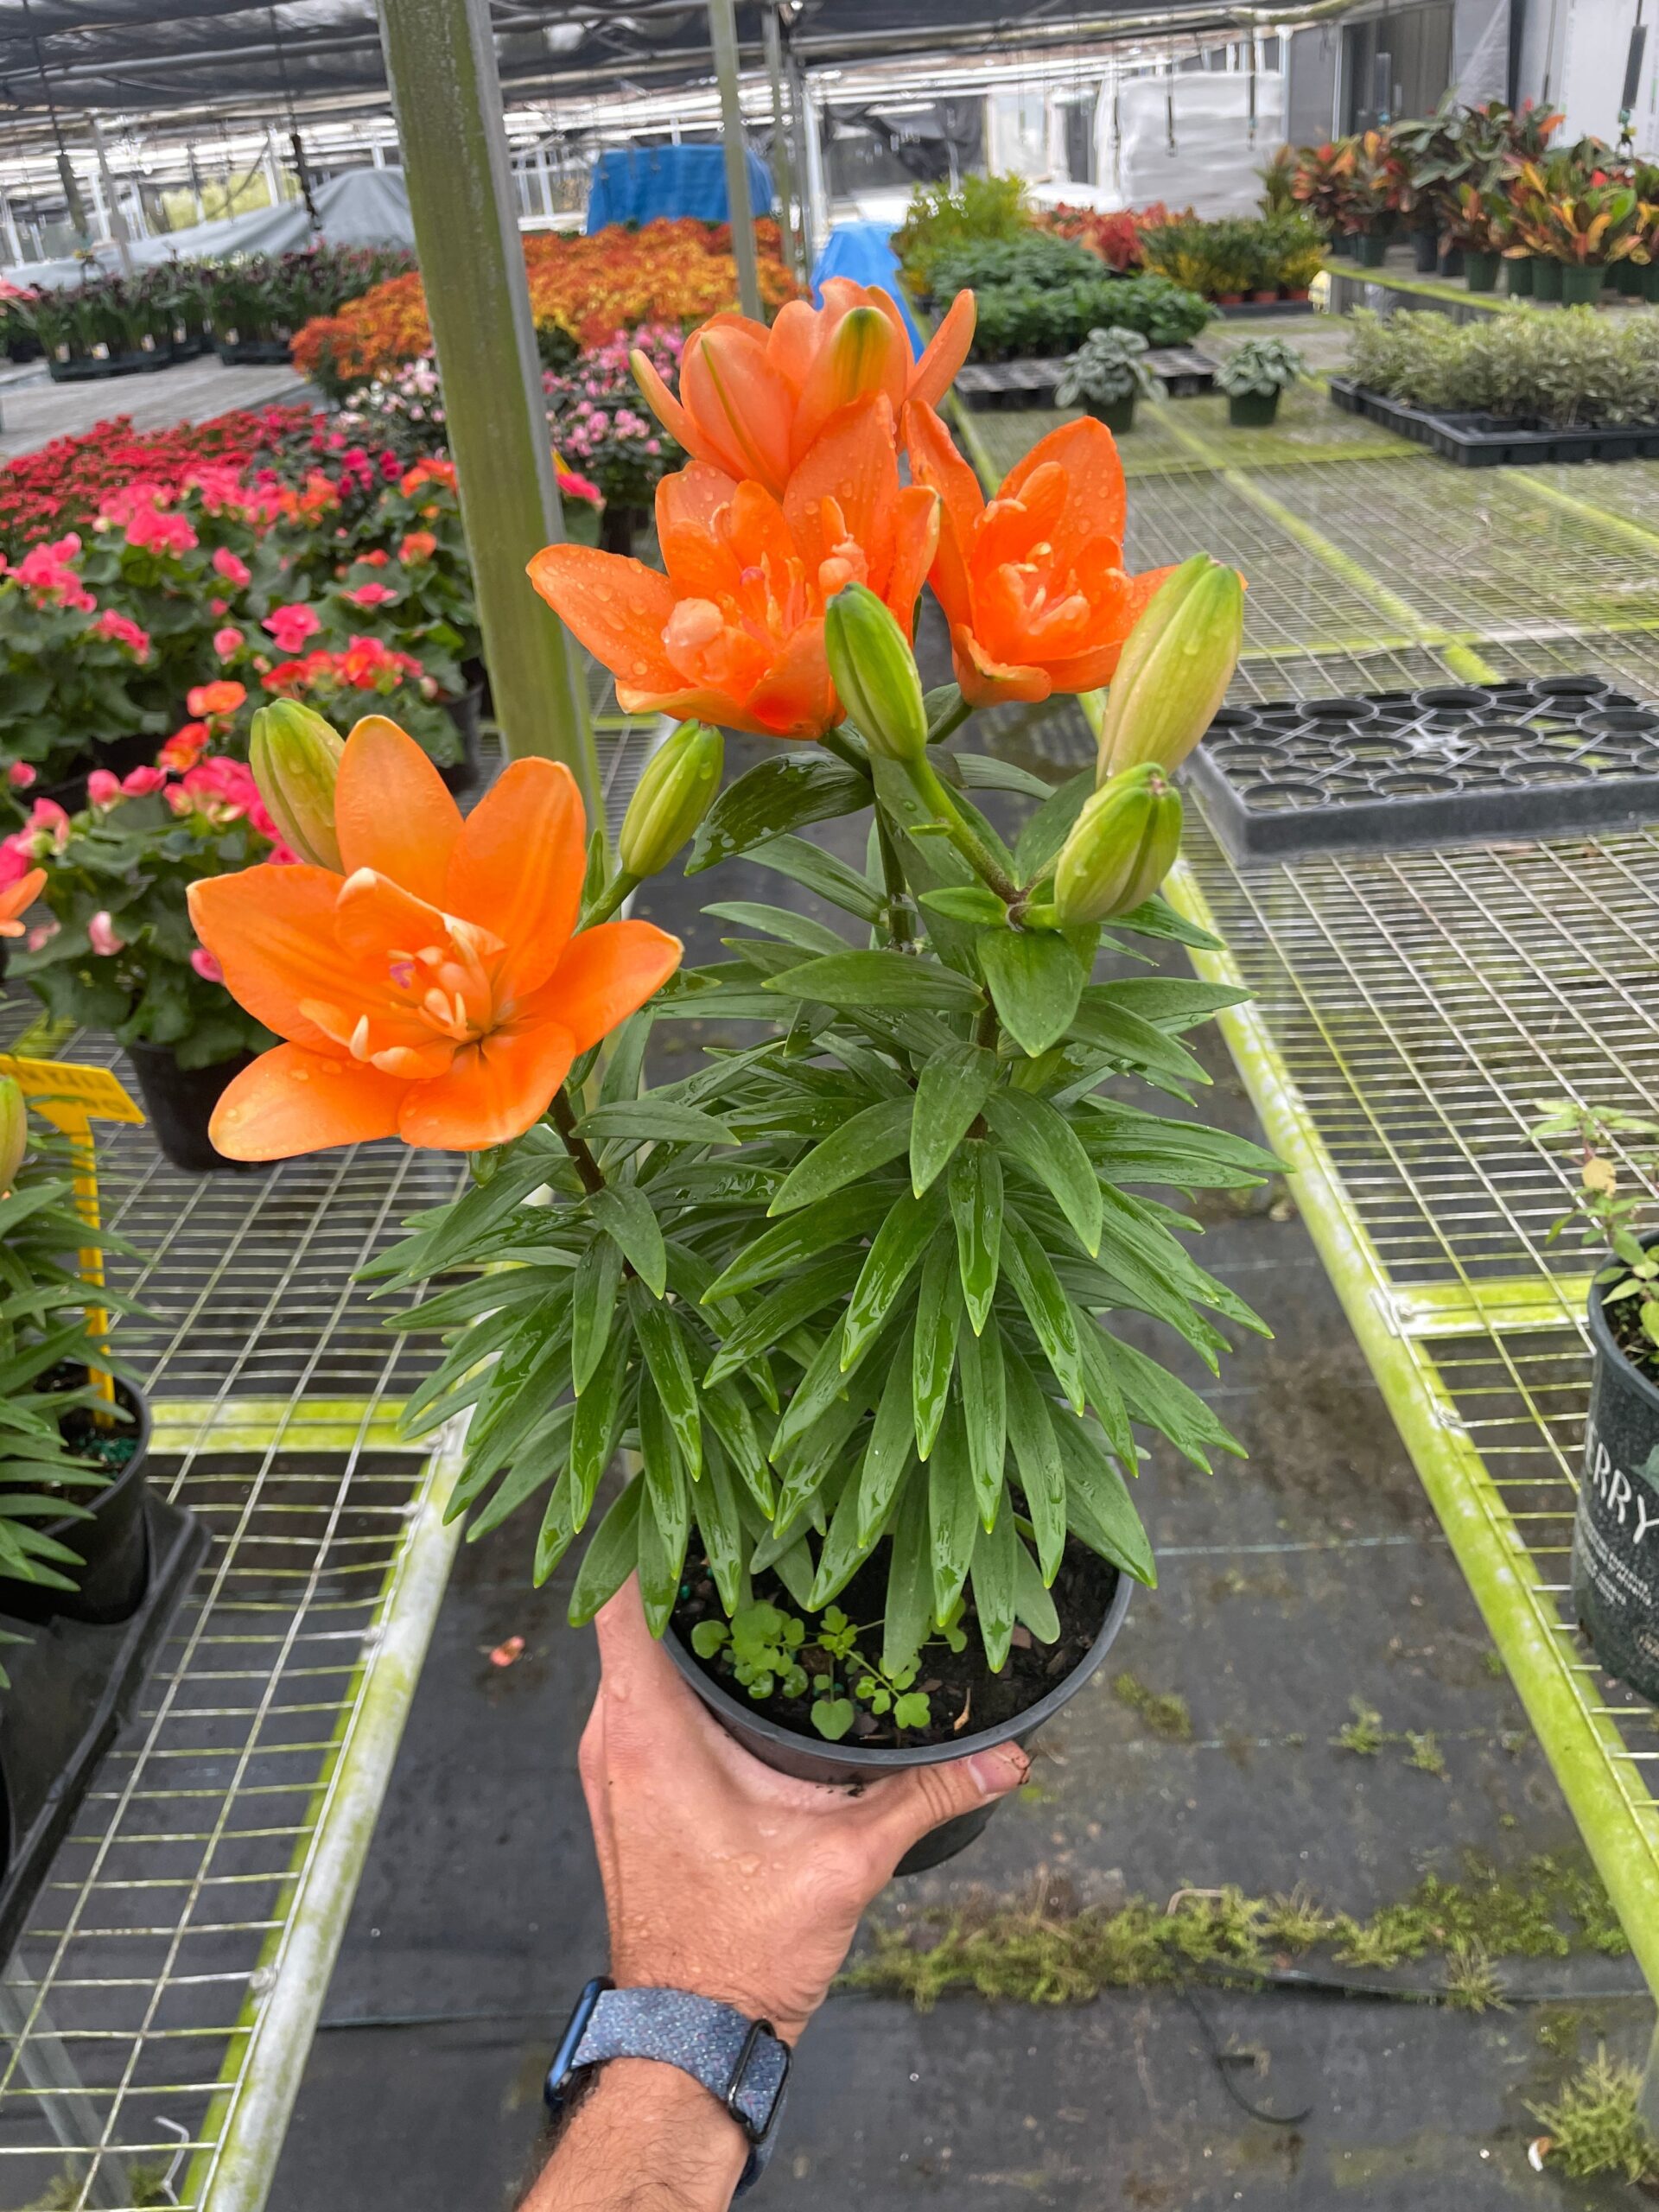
column 670, row 798
column 1122, row 846
column 14, row 1132
column 874, row 673
column 1174, row 670
column 295, row 756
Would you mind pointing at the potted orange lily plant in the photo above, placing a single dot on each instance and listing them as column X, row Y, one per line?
column 842, row 1298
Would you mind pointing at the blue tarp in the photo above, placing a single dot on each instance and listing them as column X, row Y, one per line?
column 634, row 184
column 864, row 252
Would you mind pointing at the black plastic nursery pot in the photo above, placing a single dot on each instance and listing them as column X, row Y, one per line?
column 1650, row 282
column 81, row 1661
column 1546, row 278
column 1582, row 283
column 179, row 1103
column 1252, row 411
column 467, row 714
column 1371, row 249
column 810, row 1758
column 1517, row 274
column 253, row 353
column 1452, row 263
column 1118, row 415
column 1480, row 271
column 1616, row 1533
column 1427, row 244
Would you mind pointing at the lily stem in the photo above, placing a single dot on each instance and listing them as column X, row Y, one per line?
column 949, row 721
column 564, row 1121
column 620, row 887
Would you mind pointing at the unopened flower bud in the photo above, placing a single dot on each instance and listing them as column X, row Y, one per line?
column 1122, row 846
column 295, row 756
column 14, row 1132
column 874, row 672
column 670, row 798
column 1174, row 670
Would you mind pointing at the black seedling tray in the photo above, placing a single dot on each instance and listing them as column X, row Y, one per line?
column 1485, row 441
column 1246, row 310
column 1185, row 372
column 72, row 1685
column 1455, row 763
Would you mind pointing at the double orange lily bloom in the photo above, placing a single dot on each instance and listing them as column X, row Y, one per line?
column 754, row 400
column 436, row 989
column 1033, row 581
column 733, row 633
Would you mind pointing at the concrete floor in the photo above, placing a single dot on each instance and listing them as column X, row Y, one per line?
column 1311, row 1574
column 33, row 409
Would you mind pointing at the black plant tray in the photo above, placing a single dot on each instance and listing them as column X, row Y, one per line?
column 1455, row 763
column 1485, row 441
column 84, row 370
column 253, row 353
column 72, row 1685
column 1246, row 310
column 1185, row 372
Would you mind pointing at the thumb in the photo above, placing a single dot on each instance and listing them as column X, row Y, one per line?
column 902, row 1809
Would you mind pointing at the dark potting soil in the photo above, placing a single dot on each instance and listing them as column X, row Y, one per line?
column 965, row 1696
column 1624, row 1320
column 84, row 1437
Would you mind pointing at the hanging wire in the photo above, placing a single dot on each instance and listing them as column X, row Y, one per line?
column 294, row 141
column 65, row 168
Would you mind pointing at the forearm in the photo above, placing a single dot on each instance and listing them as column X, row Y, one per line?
column 645, row 2138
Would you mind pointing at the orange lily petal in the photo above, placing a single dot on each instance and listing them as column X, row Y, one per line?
column 740, row 407
column 660, row 400
column 494, row 1091
column 17, row 896
column 292, row 1101
column 987, row 683
column 935, row 461
column 517, row 867
column 795, row 697
column 853, row 464
column 391, row 811
column 915, row 544
column 618, row 607
column 947, row 350
column 1084, row 670
column 1096, row 505
column 693, row 703
column 272, row 932
column 793, row 343
column 607, row 974
column 866, row 353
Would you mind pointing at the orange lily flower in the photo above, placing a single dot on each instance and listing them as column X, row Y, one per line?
column 753, row 399
column 1033, row 581
column 15, row 897
column 733, row 633
column 435, row 989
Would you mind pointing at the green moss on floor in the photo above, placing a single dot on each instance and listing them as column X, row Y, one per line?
column 1594, row 2128
column 1553, row 1907
column 1164, row 1711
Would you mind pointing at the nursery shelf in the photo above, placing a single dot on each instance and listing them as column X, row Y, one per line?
column 156, row 2014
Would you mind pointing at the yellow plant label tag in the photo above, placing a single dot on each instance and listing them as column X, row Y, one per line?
column 72, row 1097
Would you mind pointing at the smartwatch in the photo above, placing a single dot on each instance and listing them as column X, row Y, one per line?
column 740, row 2062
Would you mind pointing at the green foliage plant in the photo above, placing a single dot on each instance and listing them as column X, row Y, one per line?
column 1260, row 367
column 1109, row 366
column 1564, row 370
column 942, row 218
column 1611, row 1208
column 868, row 1290
column 1018, row 320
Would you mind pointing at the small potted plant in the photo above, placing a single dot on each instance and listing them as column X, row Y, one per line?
column 117, row 951
column 847, row 1298
column 1482, row 224
column 605, row 433
column 1254, row 375
column 1616, row 1533
column 75, row 676
column 1107, row 374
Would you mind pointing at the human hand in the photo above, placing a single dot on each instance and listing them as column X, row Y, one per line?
column 722, row 1877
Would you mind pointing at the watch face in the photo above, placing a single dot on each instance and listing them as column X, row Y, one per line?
column 558, row 2074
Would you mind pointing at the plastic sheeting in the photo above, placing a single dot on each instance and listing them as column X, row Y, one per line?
column 362, row 208
column 637, row 185
column 1212, row 162
column 864, row 252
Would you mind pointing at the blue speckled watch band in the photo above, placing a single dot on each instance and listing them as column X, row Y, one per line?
column 739, row 2061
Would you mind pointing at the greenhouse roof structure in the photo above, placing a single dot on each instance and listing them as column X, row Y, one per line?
column 224, row 58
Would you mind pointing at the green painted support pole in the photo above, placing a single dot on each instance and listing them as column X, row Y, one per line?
column 780, row 155
column 447, row 93
column 722, row 38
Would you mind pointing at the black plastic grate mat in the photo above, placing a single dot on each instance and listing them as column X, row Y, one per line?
column 1454, row 763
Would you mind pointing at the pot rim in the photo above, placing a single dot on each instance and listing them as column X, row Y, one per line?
column 872, row 1759
column 1607, row 1345
column 137, row 1403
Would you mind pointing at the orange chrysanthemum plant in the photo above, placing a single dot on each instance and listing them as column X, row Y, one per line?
column 847, row 1287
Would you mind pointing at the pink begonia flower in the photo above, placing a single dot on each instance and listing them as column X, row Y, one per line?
column 104, row 789
column 227, row 642
column 158, row 530
column 100, row 935
column 292, row 626
column 124, row 632
column 138, row 783
column 371, row 595
column 42, row 933
column 20, row 775
column 227, row 564
column 44, row 567
column 47, row 819
column 17, row 858
column 206, row 966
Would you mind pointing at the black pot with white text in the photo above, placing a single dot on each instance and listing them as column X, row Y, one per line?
column 1616, row 1534
column 810, row 1758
